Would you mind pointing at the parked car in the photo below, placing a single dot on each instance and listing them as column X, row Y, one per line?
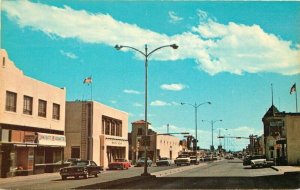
column 248, row 158
column 120, row 163
column 163, row 161
column 79, row 168
column 183, row 160
column 194, row 160
column 141, row 161
column 229, row 157
column 259, row 163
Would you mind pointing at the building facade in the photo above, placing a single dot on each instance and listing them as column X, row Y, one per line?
column 161, row 145
column 96, row 132
column 281, row 134
column 32, row 122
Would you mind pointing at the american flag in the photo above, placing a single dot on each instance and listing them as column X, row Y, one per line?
column 87, row 80
column 293, row 89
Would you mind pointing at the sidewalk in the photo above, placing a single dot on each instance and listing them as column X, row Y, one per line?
column 287, row 169
column 27, row 178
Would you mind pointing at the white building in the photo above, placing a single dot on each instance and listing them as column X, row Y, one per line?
column 32, row 122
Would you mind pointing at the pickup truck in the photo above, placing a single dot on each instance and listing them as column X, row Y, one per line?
column 259, row 163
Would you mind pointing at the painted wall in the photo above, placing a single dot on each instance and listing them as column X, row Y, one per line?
column 12, row 79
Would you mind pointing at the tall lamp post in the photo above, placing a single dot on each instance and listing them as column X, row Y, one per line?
column 146, row 54
column 196, row 106
column 212, row 131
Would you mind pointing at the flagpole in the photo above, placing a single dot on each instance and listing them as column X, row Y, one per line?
column 91, row 91
column 296, row 100
column 91, row 88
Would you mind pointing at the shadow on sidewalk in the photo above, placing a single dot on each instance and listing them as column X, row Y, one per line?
column 263, row 182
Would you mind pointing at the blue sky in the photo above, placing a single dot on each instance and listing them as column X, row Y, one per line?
column 229, row 53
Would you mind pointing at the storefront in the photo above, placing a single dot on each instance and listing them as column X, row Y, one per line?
column 112, row 148
column 27, row 152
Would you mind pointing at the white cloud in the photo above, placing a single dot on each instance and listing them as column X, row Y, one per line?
column 172, row 87
column 131, row 91
column 215, row 47
column 68, row 54
column 137, row 105
column 174, row 18
column 159, row 103
column 162, row 103
column 113, row 101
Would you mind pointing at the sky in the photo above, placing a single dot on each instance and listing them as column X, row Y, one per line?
column 229, row 54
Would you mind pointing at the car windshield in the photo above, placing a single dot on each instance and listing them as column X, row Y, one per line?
column 80, row 163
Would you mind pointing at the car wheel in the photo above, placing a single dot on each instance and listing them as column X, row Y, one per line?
column 63, row 177
column 96, row 175
column 76, row 177
column 85, row 176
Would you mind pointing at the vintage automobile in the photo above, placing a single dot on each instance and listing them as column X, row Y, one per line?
column 164, row 161
column 259, row 163
column 183, row 160
column 141, row 162
column 194, row 160
column 79, row 168
column 247, row 159
column 119, row 163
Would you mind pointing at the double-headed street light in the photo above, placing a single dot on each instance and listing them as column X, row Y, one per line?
column 146, row 55
column 212, row 131
column 196, row 107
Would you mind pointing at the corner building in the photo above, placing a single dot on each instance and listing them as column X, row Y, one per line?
column 96, row 132
column 32, row 122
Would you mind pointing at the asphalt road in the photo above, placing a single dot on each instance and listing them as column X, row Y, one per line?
column 213, row 175
column 217, row 175
column 53, row 180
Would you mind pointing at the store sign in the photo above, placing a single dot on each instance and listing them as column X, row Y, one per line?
column 51, row 139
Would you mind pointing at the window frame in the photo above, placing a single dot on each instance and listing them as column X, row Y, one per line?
column 11, row 101
column 27, row 105
column 42, row 108
column 56, row 111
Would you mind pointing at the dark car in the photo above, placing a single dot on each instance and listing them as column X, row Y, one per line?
column 79, row 168
column 247, row 159
column 163, row 161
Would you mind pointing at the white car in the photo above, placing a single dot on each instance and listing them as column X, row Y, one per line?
column 183, row 160
column 259, row 163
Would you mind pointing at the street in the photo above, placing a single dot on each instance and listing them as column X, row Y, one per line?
column 227, row 174
column 216, row 175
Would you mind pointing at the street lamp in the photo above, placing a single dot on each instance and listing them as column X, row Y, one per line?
column 196, row 107
column 146, row 55
column 212, row 131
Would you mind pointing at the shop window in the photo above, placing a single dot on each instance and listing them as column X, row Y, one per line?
column 56, row 111
column 27, row 105
column 42, row 111
column 75, row 152
column 40, row 156
column 57, row 156
column 11, row 101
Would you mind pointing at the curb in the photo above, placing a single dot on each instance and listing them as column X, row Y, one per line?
column 276, row 169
